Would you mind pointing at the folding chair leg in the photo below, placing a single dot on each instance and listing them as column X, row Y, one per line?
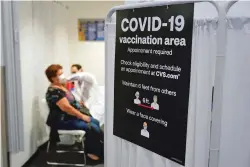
column 64, row 164
column 67, row 164
column 48, row 145
column 84, row 154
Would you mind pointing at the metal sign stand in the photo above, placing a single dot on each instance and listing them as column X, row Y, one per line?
column 219, row 71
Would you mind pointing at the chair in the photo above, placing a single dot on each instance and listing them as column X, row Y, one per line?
column 78, row 136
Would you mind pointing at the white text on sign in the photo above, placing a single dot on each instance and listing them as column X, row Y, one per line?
column 152, row 24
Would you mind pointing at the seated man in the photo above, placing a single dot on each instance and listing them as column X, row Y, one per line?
column 67, row 114
column 90, row 94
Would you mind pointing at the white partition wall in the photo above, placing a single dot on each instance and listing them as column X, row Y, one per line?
column 235, row 134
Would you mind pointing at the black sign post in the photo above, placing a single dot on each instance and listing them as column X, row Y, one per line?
column 152, row 77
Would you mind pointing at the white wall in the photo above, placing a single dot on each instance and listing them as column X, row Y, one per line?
column 43, row 41
column 89, row 54
column 25, row 16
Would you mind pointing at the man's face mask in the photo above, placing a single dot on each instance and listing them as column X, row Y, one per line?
column 137, row 95
column 145, row 127
column 155, row 99
column 62, row 79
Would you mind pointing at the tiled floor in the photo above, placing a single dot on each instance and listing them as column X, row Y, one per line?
column 40, row 160
column 101, row 165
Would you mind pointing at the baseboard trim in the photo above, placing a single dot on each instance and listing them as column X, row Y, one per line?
column 42, row 141
column 41, row 147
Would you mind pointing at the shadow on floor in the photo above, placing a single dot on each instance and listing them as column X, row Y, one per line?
column 40, row 159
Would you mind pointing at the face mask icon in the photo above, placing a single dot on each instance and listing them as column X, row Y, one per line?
column 155, row 104
column 137, row 100
column 155, row 99
column 144, row 131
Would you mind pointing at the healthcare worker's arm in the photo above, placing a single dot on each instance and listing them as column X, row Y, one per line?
column 64, row 105
column 77, row 76
column 82, row 77
column 87, row 82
